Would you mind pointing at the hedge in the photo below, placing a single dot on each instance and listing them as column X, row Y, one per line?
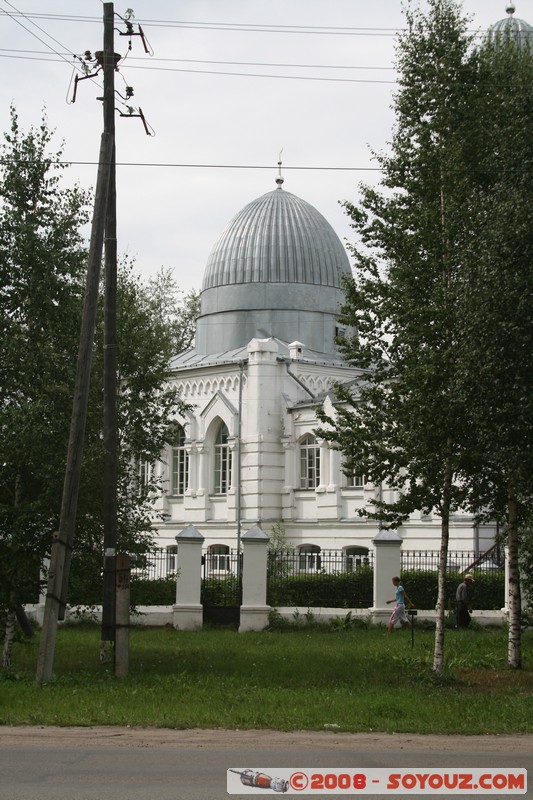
column 317, row 590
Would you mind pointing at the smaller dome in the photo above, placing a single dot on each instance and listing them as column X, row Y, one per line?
column 512, row 27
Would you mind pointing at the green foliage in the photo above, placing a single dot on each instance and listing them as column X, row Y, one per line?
column 526, row 569
column 42, row 259
column 442, row 301
column 43, row 263
column 402, row 423
column 348, row 623
column 220, row 592
column 340, row 590
column 161, row 592
column 278, row 539
column 175, row 310
column 488, row 593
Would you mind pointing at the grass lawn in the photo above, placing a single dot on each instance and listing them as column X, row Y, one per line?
column 358, row 680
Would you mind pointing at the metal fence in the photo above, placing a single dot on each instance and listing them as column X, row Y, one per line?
column 313, row 579
column 458, row 562
column 155, row 566
column 162, row 563
column 327, row 579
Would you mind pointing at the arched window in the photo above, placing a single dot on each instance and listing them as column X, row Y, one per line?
column 354, row 557
column 309, row 462
column 180, row 463
column 218, row 558
column 309, row 558
column 222, row 461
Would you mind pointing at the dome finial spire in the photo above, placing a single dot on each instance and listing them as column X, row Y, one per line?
column 510, row 9
column 280, row 179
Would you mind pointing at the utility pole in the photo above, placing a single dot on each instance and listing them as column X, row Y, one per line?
column 63, row 542
column 110, row 346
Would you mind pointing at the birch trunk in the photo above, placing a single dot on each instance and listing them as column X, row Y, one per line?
column 8, row 639
column 438, row 655
column 514, row 645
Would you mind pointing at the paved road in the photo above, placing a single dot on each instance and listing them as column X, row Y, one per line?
column 152, row 764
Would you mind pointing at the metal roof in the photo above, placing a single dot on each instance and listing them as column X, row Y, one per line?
column 277, row 238
column 512, row 27
column 190, row 358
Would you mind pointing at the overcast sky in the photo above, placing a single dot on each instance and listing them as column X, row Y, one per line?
column 230, row 84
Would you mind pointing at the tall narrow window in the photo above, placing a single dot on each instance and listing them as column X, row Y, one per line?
column 222, row 461
column 172, row 557
column 309, row 463
column 144, row 473
column 180, row 464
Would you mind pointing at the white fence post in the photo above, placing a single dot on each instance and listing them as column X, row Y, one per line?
column 254, row 610
column 188, row 612
column 387, row 561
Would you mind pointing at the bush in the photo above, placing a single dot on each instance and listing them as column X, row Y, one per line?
column 422, row 587
column 221, row 592
column 337, row 590
column 161, row 592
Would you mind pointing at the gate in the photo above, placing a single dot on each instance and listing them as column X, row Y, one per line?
column 221, row 592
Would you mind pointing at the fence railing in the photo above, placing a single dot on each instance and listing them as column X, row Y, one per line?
column 458, row 562
column 326, row 578
column 162, row 563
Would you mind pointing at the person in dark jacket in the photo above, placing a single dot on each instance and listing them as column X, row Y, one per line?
column 463, row 602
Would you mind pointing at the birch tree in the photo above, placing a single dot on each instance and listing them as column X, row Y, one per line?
column 442, row 301
column 404, row 424
column 496, row 302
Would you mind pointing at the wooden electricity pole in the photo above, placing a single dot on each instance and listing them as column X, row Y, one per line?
column 110, row 350
column 63, row 542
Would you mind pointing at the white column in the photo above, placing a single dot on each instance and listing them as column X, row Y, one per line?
column 188, row 612
column 387, row 561
column 192, row 478
column 254, row 610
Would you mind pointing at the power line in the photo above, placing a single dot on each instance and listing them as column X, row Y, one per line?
column 168, row 165
column 262, row 75
column 240, row 27
column 233, row 26
column 227, row 63
column 4, row 54
column 19, row 13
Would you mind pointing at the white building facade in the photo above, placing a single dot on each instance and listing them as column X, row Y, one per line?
column 247, row 452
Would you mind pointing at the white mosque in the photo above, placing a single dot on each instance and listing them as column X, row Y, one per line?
column 264, row 358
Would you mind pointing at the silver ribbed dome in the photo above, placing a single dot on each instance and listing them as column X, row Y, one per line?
column 275, row 271
column 512, row 27
column 277, row 238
